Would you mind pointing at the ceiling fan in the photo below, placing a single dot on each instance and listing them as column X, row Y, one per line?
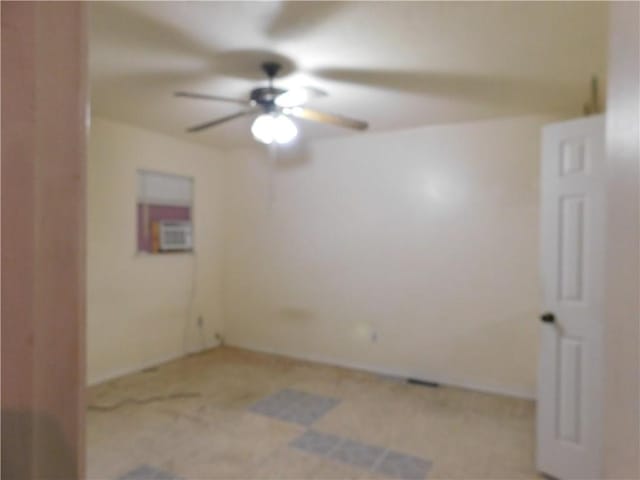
column 275, row 106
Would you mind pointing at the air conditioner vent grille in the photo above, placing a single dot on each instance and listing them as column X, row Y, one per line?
column 175, row 236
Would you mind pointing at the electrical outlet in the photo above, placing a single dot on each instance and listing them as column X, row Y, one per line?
column 200, row 321
column 374, row 337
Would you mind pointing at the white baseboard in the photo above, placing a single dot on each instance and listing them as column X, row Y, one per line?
column 112, row 375
column 493, row 389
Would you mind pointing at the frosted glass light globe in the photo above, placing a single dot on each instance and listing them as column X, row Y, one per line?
column 262, row 128
column 285, row 130
column 268, row 128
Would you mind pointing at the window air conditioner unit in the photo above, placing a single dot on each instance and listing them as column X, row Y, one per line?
column 175, row 236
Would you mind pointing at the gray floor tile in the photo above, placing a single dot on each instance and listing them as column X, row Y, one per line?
column 269, row 406
column 292, row 397
column 145, row 472
column 295, row 406
column 405, row 467
column 357, row 454
column 322, row 405
column 316, row 442
column 299, row 415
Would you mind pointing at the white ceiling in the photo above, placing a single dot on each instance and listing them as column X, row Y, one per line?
column 394, row 64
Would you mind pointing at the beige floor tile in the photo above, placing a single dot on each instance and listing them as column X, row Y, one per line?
column 331, row 470
column 286, row 463
column 212, row 435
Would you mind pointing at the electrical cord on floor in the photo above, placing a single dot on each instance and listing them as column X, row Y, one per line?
column 143, row 401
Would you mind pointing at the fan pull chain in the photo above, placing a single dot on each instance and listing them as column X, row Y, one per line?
column 273, row 158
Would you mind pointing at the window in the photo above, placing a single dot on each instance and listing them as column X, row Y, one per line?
column 164, row 209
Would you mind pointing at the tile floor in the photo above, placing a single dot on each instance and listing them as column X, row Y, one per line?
column 234, row 414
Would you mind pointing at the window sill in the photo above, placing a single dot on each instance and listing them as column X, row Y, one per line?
column 164, row 254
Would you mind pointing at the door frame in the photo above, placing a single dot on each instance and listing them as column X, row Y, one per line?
column 44, row 131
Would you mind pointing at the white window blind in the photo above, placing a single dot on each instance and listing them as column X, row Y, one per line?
column 156, row 188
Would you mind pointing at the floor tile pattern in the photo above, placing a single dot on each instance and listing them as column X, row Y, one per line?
column 316, row 442
column 145, row 472
column 385, row 462
column 357, row 454
column 295, row 406
column 212, row 433
column 405, row 467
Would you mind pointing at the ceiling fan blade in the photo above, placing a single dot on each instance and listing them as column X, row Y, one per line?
column 322, row 117
column 298, row 18
column 315, row 92
column 204, row 96
column 218, row 121
column 474, row 87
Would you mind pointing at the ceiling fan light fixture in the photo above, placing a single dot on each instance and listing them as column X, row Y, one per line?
column 277, row 104
column 269, row 128
column 285, row 129
column 262, row 128
column 292, row 98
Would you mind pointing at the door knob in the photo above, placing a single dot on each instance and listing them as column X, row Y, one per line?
column 548, row 317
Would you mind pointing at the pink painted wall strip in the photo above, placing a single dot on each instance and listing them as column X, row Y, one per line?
column 44, row 107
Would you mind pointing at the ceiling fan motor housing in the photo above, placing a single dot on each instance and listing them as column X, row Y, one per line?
column 265, row 97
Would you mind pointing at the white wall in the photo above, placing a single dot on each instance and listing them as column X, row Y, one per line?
column 427, row 239
column 622, row 327
column 142, row 309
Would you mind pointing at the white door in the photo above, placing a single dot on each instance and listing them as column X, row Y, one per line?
column 569, row 434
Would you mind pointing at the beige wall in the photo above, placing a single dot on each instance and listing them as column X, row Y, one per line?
column 142, row 309
column 412, row 252
column 622, row 327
